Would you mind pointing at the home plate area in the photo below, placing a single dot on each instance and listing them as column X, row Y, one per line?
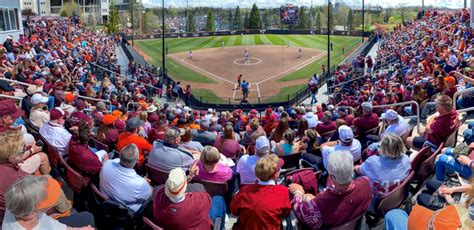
column 254, row 91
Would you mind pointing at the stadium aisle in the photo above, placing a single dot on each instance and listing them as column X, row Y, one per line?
column 122, row 60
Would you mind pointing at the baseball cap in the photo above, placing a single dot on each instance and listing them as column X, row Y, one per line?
column 117, row 113
column 424, row 80
column 134, row 123
column 119, row 125
column 38, row 82
column 8, row 107
column 4, row 86
column 345, row 134
column 56, row 113
column 80, row 104
column 38, row 98
column 69, row 97
column 52, row 193
column 108, row 119
column 175, row 187
column 153, row 118
column 32, row 89
column 390, row 115
column 262, row 146
column 450, row 80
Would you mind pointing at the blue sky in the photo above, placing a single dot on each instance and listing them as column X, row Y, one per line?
column 266, row 3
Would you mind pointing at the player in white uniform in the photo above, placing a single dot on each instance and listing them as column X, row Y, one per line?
column 190, row 54
column 246, row 56
column 289, row 43
column 300, row 53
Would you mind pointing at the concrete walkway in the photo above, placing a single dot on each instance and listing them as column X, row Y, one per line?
column 122, row 60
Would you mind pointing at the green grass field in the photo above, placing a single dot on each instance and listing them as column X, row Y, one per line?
column 152, row 48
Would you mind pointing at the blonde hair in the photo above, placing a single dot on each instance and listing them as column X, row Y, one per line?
column 254, row 124
column 266, row 167
column 391, row 146
column 210, row 155
column 143, row 116
column 12, row 143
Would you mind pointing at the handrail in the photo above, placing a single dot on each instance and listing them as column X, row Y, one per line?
column 460, row 93
column 405, row 103
column 95, row 99
column 16, row 82
column 11, row 97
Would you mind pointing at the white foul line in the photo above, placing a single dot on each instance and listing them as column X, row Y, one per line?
column 234, row 89
column 258, row 90
column 294, row 68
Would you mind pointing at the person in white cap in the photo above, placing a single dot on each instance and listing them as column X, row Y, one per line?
column 38, row 115
column 246, row 164
column 54, row 132
column 396, row 123
column 346, row 142
column 174, row 208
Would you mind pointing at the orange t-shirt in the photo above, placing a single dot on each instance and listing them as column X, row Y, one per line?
column 126, row 138
column 446, row 218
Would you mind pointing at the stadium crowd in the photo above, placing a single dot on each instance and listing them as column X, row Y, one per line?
column 173, row 163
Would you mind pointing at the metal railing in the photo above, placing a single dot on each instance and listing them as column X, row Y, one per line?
column 11, row 97
column 405, row 103
column 97, row 100
column 15, row 82
column 458, row 93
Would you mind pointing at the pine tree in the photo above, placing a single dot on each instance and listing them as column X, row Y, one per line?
column 237, row 19
column 246, row 20
column 266, row 20
column 112, row 25
column 255, row 22
column 318, row 21
column 191, row 26
column 350, row 21
column 303, row 20
column 210, row 22
column 231, row 20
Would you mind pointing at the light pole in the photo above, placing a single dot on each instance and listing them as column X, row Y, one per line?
column 363, row 21
column 187, row 29
column 163, row 35
column 131, row 15
column 329, row 39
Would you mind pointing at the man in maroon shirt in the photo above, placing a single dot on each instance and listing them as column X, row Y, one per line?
column 262, row 205
column 323, row 128
column 174, row 208
column 344, row 114
column 338, row 204
column 9, row 112
column 439, row 126
column 367, row 121
column 10, row 174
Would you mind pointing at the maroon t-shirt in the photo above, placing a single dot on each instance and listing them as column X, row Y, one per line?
column 10, row 174
column 192, row 213
column 450, row 92
column 326, row 127
column 349, row 118
column 83, row 160
column 442, row 127
column 340, row 207
column 366, row 122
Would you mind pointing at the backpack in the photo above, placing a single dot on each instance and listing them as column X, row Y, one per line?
column 304, row 177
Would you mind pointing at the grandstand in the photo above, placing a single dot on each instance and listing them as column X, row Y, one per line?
column 95, row 137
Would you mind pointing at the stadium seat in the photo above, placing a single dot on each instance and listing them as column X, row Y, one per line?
column 148, row 223
column 52, row 153
column 99, row 145
column 75, row 180
column 392, row 200
column 351, row 225
column 427, row 168
column 291, row 162
column 289, row 178
column 157, row 176
column 214, row 188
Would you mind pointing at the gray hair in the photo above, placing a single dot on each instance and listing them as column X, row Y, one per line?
column 129, row 156
column 100, row 106
column 367, row 107
column 171, row 135
column 392, row 146
column 23, row 196
column 204, row 124
column 213, row 120
column 341, row 166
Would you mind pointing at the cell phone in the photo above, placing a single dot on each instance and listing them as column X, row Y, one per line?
column 39, row 143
